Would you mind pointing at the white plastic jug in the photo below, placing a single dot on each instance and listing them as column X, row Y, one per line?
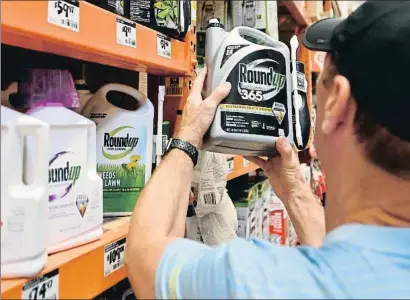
column 258, row 109
column 75, row 189
column 23, row 203
column 124, row 119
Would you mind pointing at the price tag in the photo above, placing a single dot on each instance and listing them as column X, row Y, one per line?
column 245, row 163
column 114, row 256
column 230, row 165
column 64, row 13
column 43, row 287
column 163, row 45
column 126, row 33
column 174, row 86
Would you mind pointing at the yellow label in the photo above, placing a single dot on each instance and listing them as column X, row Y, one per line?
column 245, row 108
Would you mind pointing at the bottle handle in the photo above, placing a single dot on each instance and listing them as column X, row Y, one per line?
column 255, row 33
column 41, row 134
column 102, row 93
column 124, row 89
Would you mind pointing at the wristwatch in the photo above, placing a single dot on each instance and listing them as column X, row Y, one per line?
column 188, row 148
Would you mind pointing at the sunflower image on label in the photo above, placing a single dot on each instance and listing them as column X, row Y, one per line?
column 82, row 202
column 258, row 81
column 121, row 165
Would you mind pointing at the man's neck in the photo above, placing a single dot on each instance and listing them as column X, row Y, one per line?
column 370, row 196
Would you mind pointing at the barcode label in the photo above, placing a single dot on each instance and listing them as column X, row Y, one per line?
column 164, row 143
column 69, row 23
column 230, row 165
column 43, row 287
column 126, row 33
column 301, row 82
column 173, row 90
column 64, row 13
column 173, row 86
column 210, row 198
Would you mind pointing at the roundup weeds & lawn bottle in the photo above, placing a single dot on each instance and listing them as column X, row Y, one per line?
column 124, row 119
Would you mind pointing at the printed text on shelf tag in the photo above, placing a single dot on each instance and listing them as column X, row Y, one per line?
column 164, row 45
column 64, row 13
column 114, row 256
column 43, row 287
column 126, row 33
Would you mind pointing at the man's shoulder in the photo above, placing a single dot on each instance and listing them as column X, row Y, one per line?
column 256, row 251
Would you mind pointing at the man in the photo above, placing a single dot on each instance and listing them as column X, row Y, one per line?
column 363, row 140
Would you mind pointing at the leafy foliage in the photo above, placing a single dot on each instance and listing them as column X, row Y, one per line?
column 167, row 11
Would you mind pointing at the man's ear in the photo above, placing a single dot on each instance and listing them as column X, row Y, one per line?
column 337, row 104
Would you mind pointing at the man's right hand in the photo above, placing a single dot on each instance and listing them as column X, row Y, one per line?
column 283, row 171
column 284, row 175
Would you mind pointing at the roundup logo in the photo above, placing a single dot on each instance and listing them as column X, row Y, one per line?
column 120, row 145
column 63, row 176
column 259, row 83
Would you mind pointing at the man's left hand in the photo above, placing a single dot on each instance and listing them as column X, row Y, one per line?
column 198, row 113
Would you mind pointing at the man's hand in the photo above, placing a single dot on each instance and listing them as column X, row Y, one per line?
column 284, row 175
column 283, row 171
column 198, row 114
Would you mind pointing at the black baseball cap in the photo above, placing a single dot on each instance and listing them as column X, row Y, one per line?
column 371, row 48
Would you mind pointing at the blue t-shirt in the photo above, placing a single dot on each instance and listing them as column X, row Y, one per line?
column 355, row 261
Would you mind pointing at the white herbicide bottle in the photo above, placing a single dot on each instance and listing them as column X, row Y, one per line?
column 258, row 109
column 23, row 203
column 124, row 119
column 75, row 189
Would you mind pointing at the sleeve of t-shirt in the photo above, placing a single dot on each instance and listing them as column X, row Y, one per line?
column 238, row 269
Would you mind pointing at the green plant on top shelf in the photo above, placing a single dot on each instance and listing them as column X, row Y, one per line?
column 167, row 13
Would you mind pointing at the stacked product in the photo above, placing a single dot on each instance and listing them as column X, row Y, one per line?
column 57, row 156
column 262, row 214
column 260, row 14
column 171, row 17
column 213, row 219
column 55, row 198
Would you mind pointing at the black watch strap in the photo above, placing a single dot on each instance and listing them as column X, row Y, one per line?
column 188, row 148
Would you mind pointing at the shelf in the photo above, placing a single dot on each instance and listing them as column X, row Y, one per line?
column 239, row 166
column 298, row 12
column 25, row 24
column 81, row 269
column 76, row 266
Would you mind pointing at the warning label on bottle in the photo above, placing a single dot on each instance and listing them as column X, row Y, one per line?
column 241, row 119
column 279, row 111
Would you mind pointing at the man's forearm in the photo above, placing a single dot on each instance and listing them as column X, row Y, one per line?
column 161, row 208
column 307, row 216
